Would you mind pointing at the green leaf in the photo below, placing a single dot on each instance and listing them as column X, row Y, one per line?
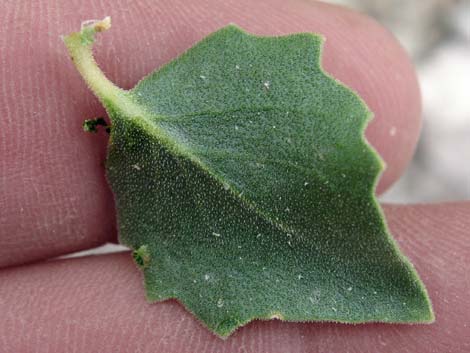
column 244, row 183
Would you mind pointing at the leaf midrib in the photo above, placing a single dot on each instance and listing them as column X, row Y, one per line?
column 144, row 117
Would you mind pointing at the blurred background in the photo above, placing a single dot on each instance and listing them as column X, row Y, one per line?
column 436, row 34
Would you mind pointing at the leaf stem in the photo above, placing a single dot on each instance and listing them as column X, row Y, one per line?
column 79, row 45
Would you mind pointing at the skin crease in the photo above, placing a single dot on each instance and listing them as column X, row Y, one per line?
column 54, row 197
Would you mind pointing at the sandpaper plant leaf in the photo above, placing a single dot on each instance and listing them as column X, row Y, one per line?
column 245, row 186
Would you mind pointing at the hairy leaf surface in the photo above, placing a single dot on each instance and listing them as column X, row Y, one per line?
column 244, row 184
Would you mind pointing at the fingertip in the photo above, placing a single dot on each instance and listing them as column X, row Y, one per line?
column 57, row 170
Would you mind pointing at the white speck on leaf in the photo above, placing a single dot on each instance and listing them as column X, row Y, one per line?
column 220, row 303
column 136, row 167
column 215, row 234
column 266, row 84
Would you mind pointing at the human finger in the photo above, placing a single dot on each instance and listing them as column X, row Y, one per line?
column 97, row 304
column 54, row 197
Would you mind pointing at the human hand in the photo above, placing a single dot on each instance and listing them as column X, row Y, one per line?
column 55, row 200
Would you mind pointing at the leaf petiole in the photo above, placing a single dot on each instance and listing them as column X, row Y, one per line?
column 80, row 48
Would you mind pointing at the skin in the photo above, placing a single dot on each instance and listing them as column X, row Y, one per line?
column 54, row 198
